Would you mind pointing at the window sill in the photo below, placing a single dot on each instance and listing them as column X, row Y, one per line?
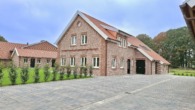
column 72, row 45
column 83, row 44
column 96, row 67
column 121, row 67
column 114, row 68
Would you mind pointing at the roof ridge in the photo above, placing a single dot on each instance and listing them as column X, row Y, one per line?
column 12, row 43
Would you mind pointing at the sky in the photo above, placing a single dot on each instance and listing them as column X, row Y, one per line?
column 31, row 21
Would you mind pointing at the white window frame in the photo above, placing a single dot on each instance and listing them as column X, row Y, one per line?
column 96, row 62
column 120, row 43
column 72, row 61
column 73, row 40
column 83, row 61
column 124, row 43
column 39, row 61
column 25, row 60
column 83, row 39
column 122, row 63
column 113, row 63
column 63, row 61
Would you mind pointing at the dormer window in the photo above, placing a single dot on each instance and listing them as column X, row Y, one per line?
column 120, row 43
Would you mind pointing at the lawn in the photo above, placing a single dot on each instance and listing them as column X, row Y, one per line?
column 182, row 72
column 6, row 80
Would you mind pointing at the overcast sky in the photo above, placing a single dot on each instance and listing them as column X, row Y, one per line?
column 30, row 21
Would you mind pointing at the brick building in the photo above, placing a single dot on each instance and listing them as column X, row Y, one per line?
column 40, row 53
column 88, row 41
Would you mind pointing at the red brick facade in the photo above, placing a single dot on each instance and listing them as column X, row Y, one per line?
column 113, row 58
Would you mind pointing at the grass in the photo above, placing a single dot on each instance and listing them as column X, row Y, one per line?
column 182, row 72
column 6, row 80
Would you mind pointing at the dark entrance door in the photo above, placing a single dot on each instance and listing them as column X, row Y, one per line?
column 32, row 62
column 156, row 65
column 140, row 66
column 53, row 62
column 128, row 66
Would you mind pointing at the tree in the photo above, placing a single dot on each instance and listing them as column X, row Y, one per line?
column 177, row 47
column 158, row 41
column 2, row 39
column 147, row 40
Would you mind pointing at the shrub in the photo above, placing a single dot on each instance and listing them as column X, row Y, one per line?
column 85, row 71
column 24, row 74
column 75, row 71
column 90, row 71
column 37, row 77
column 62, row 72
column 68, row 69
column 1, row 73
column 12, row 74
column 81, row 72
column 46, row 72
column 55, row 71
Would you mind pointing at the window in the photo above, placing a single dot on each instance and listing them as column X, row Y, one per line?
column 25, row 60
column 83, row 61
column 72, row 61
column 63, row 61
column 124, row 43
column 122, row 63
column 119, row 44
column 96, row 62
column 73, row 40
column 83, row 39
column 114, row 63
column 38, row 60
column 48, row 61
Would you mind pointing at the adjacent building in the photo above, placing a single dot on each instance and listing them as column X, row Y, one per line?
column 40, row 53
column 188, row 11
column 87, row 41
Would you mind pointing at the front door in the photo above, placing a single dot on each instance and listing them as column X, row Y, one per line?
column 53, row 62
column 128, row 66
column 140, row 66
column 32, row 62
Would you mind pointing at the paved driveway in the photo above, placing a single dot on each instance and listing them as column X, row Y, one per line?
column 129, row 92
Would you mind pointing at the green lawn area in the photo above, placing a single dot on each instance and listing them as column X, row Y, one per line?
column 182, row 72
column 6, row 80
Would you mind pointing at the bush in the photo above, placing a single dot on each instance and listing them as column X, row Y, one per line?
column 68, row 69
column 1, row 73
column 37, row 77
column 55, row 71
column 62, row 72
column 75, row 72
column 24, row 74
column 85, row 71
column 90, row 71
column 12, row 74
column 46, row 72
column 81, row 72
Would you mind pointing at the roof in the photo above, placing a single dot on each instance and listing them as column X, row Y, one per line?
column 6, row 47
column 188, row 10
column 191, row 3
column 43, row 45
column 105, row 30
column 109, row 32
column 34, row 53
column 145, row 50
